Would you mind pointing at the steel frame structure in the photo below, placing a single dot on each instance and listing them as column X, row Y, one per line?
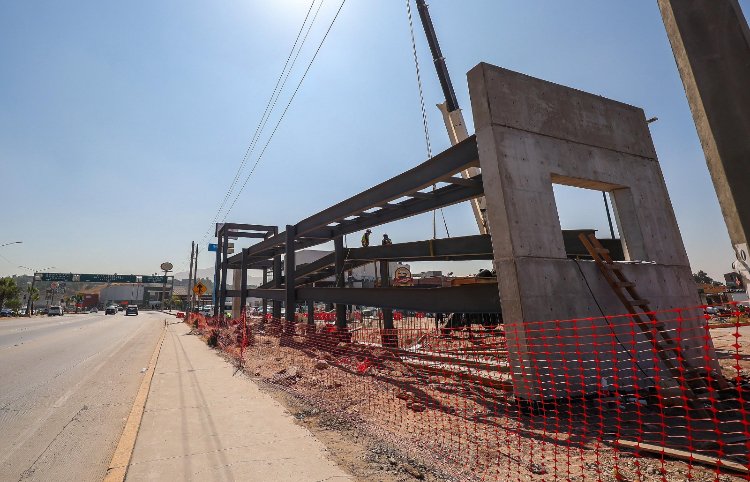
column 400, row 197
column 405, row 195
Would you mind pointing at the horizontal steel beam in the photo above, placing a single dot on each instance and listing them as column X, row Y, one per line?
column 317, row 229
column 237, row 234
column 479, row 247
column 480, row 298
column 269, row 294
column 455, row 159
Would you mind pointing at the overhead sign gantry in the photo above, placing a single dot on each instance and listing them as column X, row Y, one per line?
column 100, row 278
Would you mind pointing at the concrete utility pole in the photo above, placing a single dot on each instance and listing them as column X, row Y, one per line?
column 711, row 44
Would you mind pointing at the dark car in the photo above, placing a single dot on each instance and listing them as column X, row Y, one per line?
column 110, row 310
column 131, row 310
column 6, row 312
column 120, row 308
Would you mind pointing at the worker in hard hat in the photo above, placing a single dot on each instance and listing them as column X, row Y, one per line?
column 386, row 240
column 366, row 238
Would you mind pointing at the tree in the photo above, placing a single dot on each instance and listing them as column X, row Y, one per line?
column 701, row 277
column 8, row 290
column 14, row 304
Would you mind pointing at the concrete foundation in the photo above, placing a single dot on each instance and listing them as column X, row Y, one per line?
column 533, row 133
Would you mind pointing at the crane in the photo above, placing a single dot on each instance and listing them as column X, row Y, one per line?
column 452, row 115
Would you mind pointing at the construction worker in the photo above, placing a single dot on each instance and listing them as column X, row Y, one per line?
column 386, row 240
column 366, row 239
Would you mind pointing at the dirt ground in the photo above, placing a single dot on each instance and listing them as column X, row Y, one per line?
column 391, row 420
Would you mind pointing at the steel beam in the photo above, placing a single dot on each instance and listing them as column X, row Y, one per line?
column 453, row 160
column 479, row 298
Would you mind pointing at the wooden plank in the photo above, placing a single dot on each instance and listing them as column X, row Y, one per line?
column 685, row 455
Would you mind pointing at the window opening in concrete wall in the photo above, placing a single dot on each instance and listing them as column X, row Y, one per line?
column 585, row 209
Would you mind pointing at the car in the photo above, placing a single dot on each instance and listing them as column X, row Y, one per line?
column 55, row 311
column 120, row 308
column 110, row 310
column 94, row 310
column 131, row 310
column 6, row 312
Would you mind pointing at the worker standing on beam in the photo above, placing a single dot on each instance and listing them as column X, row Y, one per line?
column 386, row 240
column 366, row 238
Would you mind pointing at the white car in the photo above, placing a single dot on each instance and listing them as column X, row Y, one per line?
column 55, row 311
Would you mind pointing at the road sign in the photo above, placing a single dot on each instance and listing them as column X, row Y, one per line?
column 213, row 247
column 402, row 276
column 166, row 266
column 153, row 279
column 200, row 289
column 99, row 278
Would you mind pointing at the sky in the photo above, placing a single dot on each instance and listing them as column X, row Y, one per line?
column 123, row 124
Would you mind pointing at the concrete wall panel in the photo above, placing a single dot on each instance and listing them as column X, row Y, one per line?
column 532, row 133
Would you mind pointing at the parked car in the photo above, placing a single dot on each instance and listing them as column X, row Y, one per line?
column 120, row 308
column 6, row 312
column 94, row 310
column 55, row 311
column 131, row 310
column 110, row 310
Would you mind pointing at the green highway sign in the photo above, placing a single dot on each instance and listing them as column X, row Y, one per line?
column 57, row 276
column 101, row 278
column 153, row 279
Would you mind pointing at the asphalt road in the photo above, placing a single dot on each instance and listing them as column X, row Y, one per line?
column 67, row 385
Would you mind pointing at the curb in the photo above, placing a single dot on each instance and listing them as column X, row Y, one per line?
column 118, row 466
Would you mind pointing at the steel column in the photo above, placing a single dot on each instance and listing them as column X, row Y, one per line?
column 389, row 337
column 217, row 273
column 276, row 312
column 338, row 244
column 243, row 283
column 291, row 303
column 224, row 255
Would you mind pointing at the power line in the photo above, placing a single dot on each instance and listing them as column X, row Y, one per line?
column 283, row 114
column 270, row 104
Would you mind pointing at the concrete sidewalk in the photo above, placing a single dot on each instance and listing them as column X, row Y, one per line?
column 202, row 423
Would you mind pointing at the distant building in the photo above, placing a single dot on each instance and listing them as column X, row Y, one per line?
column 733, row 280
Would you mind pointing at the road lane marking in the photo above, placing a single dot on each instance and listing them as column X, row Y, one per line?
column 118, row 466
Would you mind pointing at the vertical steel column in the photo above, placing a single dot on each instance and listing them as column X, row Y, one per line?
column 311, row 313
column 291, row 302
column 389, row 338
column 224, row 256
column 243, row 282
column 276, row 283
column 264, row 300
column 340, row 259
column 217, row 272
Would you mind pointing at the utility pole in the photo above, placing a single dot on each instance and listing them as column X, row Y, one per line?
column 190, row 280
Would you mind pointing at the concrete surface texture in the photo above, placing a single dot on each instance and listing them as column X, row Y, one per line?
column 711, row 44
column 532, row 133
column 66, row 386
column 203, row 422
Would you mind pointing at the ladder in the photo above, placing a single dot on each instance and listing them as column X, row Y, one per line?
column 667, row 348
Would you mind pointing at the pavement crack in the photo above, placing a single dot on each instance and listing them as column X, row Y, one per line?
column 30, row 471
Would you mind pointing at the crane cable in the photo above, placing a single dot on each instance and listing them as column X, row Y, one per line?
column 426, row 128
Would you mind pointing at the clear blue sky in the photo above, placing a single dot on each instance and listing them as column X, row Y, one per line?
column 122, row 124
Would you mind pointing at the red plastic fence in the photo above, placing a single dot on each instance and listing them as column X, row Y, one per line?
column 587, row 399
